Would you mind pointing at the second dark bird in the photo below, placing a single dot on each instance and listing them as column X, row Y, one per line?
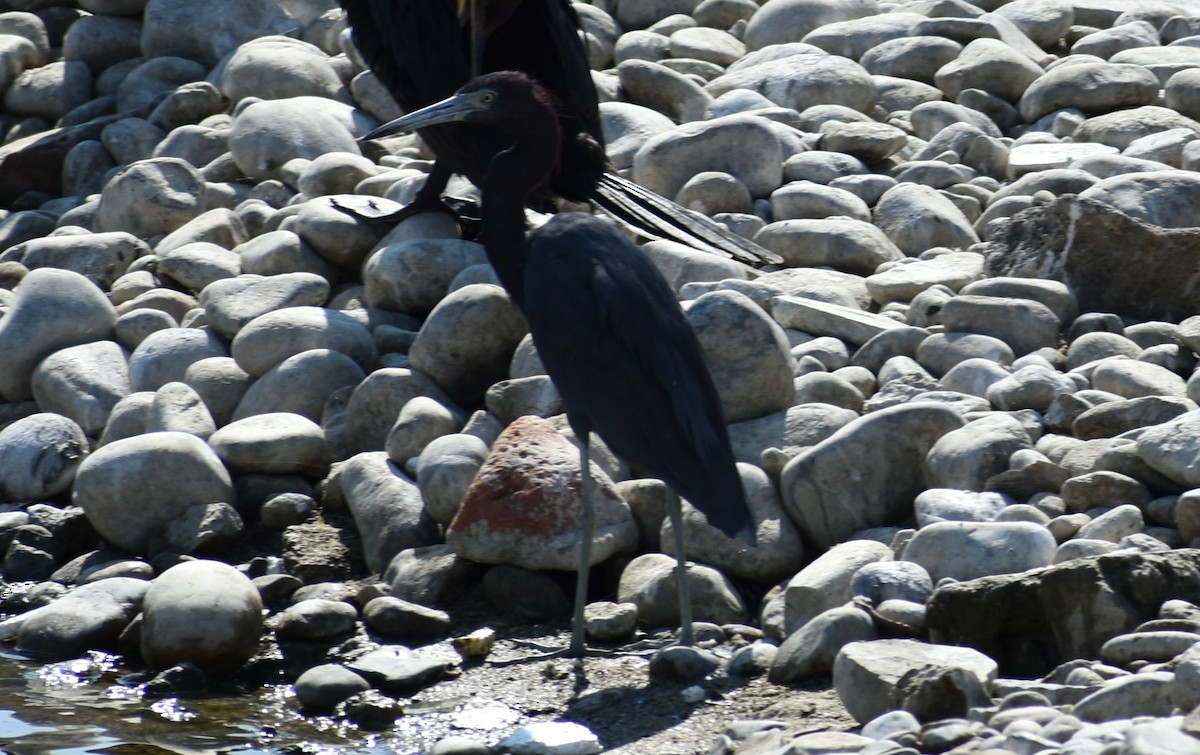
column 421, row 50
column 606, row 324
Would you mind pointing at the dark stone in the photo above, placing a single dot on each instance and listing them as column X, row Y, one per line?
column 1114, row 263
column 1030, row 623
column 372, row 711
column 689, row 664
column 23, row 226
column 404, row 621
column 398, row 673
column 275, row 589
column 318, row 552
column 523, row 594
column 179, row 680
column 34, row 162
column 71, row 528
column 933, row 693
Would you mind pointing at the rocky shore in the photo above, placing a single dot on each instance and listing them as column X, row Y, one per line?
column 245, row 435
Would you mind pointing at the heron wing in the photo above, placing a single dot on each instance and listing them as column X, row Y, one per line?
column 613, row 339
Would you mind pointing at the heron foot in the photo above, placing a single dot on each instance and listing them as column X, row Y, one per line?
column 639, row 649
column 380, row 210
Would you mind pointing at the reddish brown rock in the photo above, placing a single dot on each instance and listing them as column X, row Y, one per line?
column 525, row 507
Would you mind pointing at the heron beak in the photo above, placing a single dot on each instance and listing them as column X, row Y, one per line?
column 450, row 110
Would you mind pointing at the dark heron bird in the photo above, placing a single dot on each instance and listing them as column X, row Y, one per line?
column 423, row 50
column 606, row 325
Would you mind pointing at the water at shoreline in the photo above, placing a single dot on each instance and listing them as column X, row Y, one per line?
column 81, row 706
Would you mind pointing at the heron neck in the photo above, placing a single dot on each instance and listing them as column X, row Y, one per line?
column 512, row 176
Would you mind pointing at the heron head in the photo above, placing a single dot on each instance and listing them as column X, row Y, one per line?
column 494, row 98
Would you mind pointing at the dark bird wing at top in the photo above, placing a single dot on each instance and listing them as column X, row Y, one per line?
column 422, row 52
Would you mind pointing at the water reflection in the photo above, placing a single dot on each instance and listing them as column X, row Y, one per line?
column 81, row 707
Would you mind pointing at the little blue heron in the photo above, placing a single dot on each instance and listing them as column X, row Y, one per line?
column 606, row 325
column 424, row 50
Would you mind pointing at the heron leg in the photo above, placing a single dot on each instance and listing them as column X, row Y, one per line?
column 587, row 527
column 675, row 510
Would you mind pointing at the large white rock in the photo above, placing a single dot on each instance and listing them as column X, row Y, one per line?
column 865, row 674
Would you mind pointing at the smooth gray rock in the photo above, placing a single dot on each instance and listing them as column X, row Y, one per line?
column 300, row 384
column 50, row 310
column 828, row 581
column 789, row 20
column 177, row 407
column 866, row 674
column 1093, row 87
column 220, row 383
column 99, row 257
column 232, row 302
column 110, row 485
column 816, row 485
column 49, row 91
column 917, row 218
column 421, row 421
column 266, row 134
column 165, row 356
column 386, row 507
column 92, row 616
column 278, row 252
column 83, row 383
column 953, row 505
column 399, row 619
column 467, row 341
column 1171, row 448
column 747, row 354
column 801, row 81
column 283, row 66
column 208, row 32
column 883, row 581
column 315, row 619
column 203, row 612
column 905, row 281
column 911, row 57
column 322, row 687
column 967, row 457
column 151, row 197
column 1161, row 199
column 648, row 582
column 665, row 162
column 989, row 65
column 377, row 401
column 271, row 443
column 271, row 338
column 413, row 276
column 968, row 550
column 1145, row 694
column 811, row 649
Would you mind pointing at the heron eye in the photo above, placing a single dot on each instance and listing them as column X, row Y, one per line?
column 487, row 98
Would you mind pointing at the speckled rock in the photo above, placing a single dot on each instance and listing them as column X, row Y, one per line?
column 41, row 455
column 539, row 527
